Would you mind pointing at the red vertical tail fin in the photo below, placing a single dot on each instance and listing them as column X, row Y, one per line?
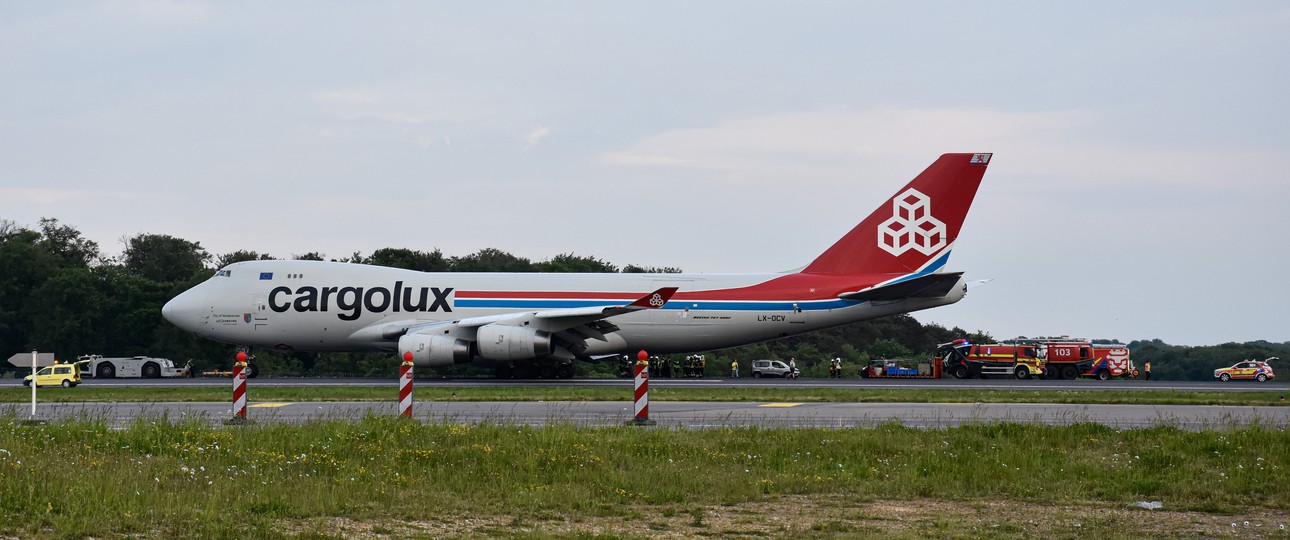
column 915, row 229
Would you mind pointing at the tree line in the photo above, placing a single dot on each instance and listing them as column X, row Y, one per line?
column 60, row 293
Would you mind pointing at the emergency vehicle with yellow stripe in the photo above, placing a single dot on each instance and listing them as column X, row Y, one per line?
column 1047, row 358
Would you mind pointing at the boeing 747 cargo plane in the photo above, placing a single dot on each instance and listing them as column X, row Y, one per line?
column 892, row 262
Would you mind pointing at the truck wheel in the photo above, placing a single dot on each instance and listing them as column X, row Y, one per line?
column 1225, row 377
column 1022, row 373
column 106, row 371
column 1068, row 372
column 1262, row 378
column 756, row 374
column 151, row 370
column 959, row 372
column 67, row 383
column 1103, row 375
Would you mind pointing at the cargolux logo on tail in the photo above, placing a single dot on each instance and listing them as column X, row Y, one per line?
column 911, row 226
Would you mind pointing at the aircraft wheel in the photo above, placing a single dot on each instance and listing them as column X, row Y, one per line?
column 548, row 372
column 1225, row 377
column 565, row 371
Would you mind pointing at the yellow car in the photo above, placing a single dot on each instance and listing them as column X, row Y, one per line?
column 1249, row 369
column 65, row 375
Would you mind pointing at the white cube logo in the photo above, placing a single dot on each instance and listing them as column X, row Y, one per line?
column 911, row 226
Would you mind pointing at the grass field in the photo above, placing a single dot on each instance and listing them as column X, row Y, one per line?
column 573, row 393
column 391, row 478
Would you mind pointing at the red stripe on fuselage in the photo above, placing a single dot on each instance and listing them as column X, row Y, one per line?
column 784, row 288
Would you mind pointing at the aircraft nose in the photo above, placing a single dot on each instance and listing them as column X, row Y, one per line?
column 182, row 310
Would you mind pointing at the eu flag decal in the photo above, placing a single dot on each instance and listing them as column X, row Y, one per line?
column 266, row 275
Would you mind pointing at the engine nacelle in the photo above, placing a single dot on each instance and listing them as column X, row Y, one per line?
column 501, row 342
column 434, row 350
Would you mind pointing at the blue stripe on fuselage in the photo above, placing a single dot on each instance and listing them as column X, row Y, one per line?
column 526, row 304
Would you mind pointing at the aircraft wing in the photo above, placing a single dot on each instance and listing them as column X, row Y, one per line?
column 930, row 285
column 579, row 323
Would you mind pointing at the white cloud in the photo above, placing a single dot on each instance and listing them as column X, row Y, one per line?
column 404, row 104
column 1053, row 144
column 347, row 97
column 168, row 11
column 534, row 136
column 29, row 197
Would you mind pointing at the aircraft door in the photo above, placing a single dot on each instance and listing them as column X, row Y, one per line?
column 260, row 311
column 797, row 315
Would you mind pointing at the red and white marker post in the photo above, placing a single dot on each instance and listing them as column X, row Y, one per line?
column 405, row 386
column 239, row 390
column 642, row 390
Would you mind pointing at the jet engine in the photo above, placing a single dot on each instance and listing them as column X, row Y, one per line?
column 501, row 342
column 435, row 350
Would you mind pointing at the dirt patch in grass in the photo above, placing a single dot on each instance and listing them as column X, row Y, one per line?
column 826, row 517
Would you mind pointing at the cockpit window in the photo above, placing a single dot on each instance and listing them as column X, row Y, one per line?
column 224, row 273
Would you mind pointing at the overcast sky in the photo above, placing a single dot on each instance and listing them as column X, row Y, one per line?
column 1139, row 188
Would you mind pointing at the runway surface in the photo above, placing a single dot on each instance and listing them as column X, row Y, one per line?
column 691, row 415
column 915, row 384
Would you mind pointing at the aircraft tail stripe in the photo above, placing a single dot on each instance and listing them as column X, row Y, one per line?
column 545, row 295
column 746, row 305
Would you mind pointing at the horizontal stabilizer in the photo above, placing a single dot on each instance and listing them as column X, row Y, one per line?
column 930, row 285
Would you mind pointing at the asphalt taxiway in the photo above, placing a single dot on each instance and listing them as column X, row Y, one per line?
column 690, row 415
column 700, row 414
column 746, row 382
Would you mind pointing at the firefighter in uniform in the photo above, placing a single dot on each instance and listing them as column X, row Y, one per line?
column 1147, row 369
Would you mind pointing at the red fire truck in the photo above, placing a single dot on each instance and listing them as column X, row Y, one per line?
column 963, row 359
column 1050, row 358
